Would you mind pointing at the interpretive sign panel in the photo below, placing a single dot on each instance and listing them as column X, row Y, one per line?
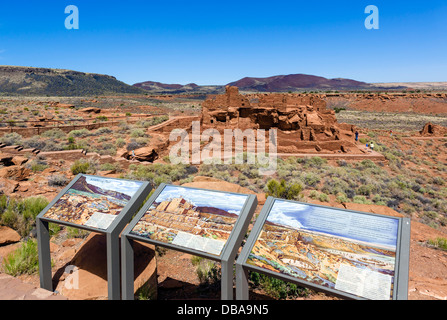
column 197, row 219
column 97, row 204
column 93, row 202
column 345, row 252
column 201, row 222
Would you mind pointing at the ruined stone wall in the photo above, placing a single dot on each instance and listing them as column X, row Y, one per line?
column 287, row 112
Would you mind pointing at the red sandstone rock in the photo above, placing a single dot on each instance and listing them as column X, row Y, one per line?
column 8, row 236
column 17, row 173
column 91, row 110
column 8, row 186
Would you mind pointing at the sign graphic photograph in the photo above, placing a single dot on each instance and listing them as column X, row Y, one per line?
column 93, row 201
column 342, row 250
column 196, row 219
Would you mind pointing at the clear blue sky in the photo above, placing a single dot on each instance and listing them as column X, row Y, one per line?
column 211, row 42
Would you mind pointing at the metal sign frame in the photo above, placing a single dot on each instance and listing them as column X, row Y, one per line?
column 400, row 290
column 226, row 258
column 112, row 235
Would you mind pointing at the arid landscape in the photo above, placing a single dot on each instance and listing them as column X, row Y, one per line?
column 47, row 141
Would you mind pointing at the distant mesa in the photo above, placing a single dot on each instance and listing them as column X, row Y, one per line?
column 280, row 83
column 29, row 81
column 293, row 82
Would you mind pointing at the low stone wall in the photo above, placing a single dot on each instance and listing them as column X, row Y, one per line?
column 29, row 132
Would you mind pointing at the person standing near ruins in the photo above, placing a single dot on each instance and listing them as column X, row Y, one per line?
column 356, row 136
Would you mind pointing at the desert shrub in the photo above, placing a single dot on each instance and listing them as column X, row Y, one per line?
column 102, row 118
column 288, row 191
column 160, row 173
column 79, row 167
column 341, row 198
column 207, row 271
column 146, row 123
column 53, row 145
column 80, row 133
column 323, row 197
column 438, row 181
column 84, row 166
column 440, row 243
column 363, row 140
column 11, row 139
column 37, row 166
column 54, row 134
column 104, row 139
column 103, row 130
column 313, row 194
column 276, row 288
column 134, row 145
column 34, row 142
column 137, row 133
column 366, row 189
column 311, row 179
column 120, row 142
column 21, row 214
column 25, row 260
column 57, row 180
column 361, row 200
column 107, row 149
column 334, row 186
column 76, row 233
column 367, row 164
column 314, row 162
column 110, row 166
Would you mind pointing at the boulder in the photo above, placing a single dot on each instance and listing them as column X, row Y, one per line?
column 8, row 236
column 8, row 186
column 19, row 160
column 17, row 173
column 91, row 110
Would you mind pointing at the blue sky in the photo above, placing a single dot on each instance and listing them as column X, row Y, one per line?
column 210, row 42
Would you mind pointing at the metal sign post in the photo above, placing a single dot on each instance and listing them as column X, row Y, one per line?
column 125, row 196
column 205, row 223
column 349, row 254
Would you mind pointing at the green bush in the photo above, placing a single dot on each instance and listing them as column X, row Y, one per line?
column 361, row 200
column 137, row 133
column 439, row 242
column 120, row 142
column 54, row 134
column 323, row 197
column 160, row 173
column 282, row 190
column 20, row 215
column 80, row 133
column 12, row 139
column 80, row 167
column 24, row 260
column 208, row 273
column 276, row 288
